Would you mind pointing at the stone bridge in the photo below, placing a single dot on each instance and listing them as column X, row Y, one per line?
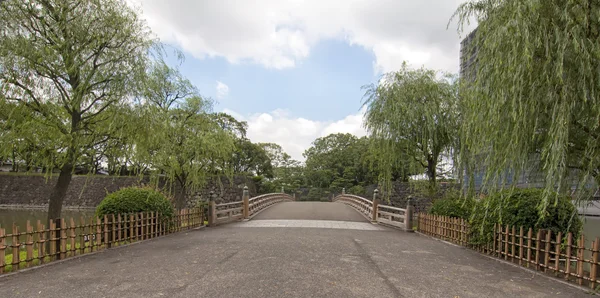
column 274, row 246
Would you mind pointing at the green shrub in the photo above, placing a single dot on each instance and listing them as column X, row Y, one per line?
column 453, row 206
column 135, row 199
column 520, row 207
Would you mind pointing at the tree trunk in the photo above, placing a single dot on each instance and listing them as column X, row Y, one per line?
column 432, row 173
column 59, row 191
column 180, row 197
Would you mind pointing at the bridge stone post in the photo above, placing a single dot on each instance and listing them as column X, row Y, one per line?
column 344, row 191
column 408, row 217
column 212, row 211
column 282, row 190
column 294, row 195
column 246, row 200
column 375, row 205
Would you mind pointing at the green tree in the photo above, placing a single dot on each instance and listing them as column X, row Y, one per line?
column 251, row 158
column 334, row 162
column 533, row 88
column 68, row 62
column 412, row 115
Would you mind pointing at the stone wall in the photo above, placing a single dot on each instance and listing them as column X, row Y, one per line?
column 88, row 191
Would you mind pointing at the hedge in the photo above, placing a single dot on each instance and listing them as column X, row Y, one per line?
column 135, row 199
column 520, row 207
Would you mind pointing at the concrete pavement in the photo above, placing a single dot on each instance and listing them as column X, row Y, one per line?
column 233, row 261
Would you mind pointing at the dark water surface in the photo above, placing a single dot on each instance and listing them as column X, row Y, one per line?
column 21, row 216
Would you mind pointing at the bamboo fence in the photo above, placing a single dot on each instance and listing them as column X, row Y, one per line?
column 33, row 245
column 554, row 253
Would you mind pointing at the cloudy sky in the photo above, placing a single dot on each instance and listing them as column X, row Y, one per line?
column 293, row 69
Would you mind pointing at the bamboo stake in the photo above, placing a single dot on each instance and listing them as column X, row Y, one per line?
column 15, row 248
column 529, row 235
column 131, row 224
column 568, row 258
column 63, row 239
column 98, row 234
column 137, row 227
column 594, row 268
column 52, row 240
column 2, row 249
column 114, row 231
column 557, row 253
column 580, row 255
column 29, row 244
column 521, row 236
column 547, row 250
column 538, row 243
column 494, row 239
column 512, row 250
column 119, row 232
column 506, row 232
column 82, row 236
column 41, row 242
column 152, row 225
column 73, row 236
column 91, row 235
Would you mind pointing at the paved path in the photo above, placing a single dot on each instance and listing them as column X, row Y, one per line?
column 284, row 261
column 311, row 210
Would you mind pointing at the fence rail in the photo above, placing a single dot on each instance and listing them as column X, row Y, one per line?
column 542, row 250
column 28, row 246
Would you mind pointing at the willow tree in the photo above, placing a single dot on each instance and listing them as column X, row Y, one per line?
column 533, row 90
column 412, row 118
column 181, row 139
column 190, row 142
column 68, row 62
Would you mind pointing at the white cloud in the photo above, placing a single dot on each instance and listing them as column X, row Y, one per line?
column 222, row 89
column 295, row 134
column 280, row 33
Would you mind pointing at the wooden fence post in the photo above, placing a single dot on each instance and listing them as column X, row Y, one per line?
column 246, row 202
column 375, row 206
column 408, row 217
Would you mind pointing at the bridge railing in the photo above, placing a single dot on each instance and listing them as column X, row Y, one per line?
column 244, row 209
column 227, row 212
column 261, row 202
column 376, row 212
column 362, row 205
